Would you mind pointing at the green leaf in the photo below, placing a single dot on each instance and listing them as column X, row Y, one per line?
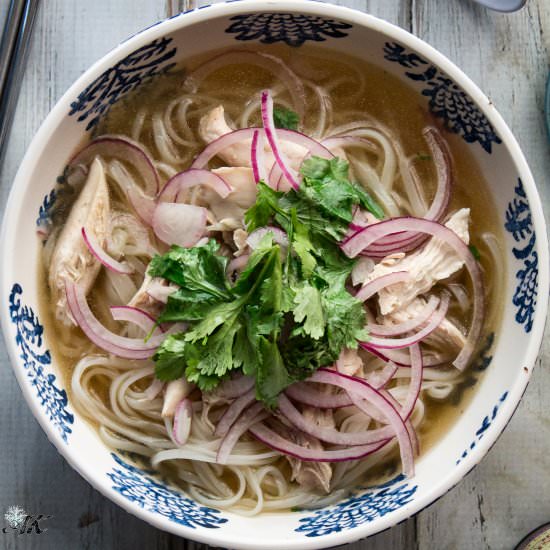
column 346, row 320
column 285, row 118
column 475, row 252
column 170, row 358
column 213, row 356
column 198, row 270
column 309, row 310
column 267, row 203
column 219, row 314
column 271, row 376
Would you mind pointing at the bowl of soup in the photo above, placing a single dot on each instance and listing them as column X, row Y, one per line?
column 285, row 276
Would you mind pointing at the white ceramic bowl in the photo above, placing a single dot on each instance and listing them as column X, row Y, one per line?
column 450, row 96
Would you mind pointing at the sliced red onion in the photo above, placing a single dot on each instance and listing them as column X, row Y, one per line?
column 407, row 241
column 182, row 422
column 143, row 205
column 374, row 286
column 190, row 178
column 398, row 343
column 238, row 263
column 273, row 440
column 415, row 384
column 254, row 414
column 408, row 424
column 181, row 224
column 237, row 136
column 374, row 232
column 134, row 315
column 263, row 60
column 379, row 378
column 306, row 394
column 129, row 348
column 402, row 358
column 125, row 149
column 176, row 390
column 407, row 326
column 257, row 157
column 279, row 236
column 331, row 435
column 101, row 255
column 235, row 387
column 359, row 391
column 234, row 411
column 272, row 138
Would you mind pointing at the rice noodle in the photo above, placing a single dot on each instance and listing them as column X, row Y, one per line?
column 220, row 464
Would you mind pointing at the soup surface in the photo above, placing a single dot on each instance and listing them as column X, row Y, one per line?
column 391, row 157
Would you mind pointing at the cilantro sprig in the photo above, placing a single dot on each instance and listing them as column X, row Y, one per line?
column 289, row 311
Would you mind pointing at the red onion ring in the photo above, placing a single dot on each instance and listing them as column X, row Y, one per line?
column 233, row 412
column 99, row 254
column 374, row 286
column 129, row 348
column 393, row 330
column 181, row 224
column 273, row 440
column 125, row 149
column 190, row 178
column 272, row 138
column 405, row 342
column 376, row 231
column 330, row 435
column 255, row 413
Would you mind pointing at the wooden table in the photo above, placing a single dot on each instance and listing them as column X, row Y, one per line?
column 502, row 499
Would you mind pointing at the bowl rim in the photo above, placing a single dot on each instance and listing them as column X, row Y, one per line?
column 231, row 7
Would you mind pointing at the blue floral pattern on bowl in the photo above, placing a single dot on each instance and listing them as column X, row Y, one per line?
column 29, row 340
column 133, row 484
column 485, row 425
column 447, row 100
column 140, row 66
column 520, row 224
column 356, row 510
column 293, row 29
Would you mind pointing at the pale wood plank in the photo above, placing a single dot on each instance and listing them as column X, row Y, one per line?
column 502, row 53
column 504, row 497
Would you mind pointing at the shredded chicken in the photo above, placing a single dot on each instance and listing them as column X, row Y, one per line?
column 213, row 125
column 447, row 333
column 434, row 262
column 349, row 362
column 238, row 201
column 71, row 259
column 311, row 475
column 239, row 238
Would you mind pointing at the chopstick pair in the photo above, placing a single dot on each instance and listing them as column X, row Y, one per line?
column 14, row 48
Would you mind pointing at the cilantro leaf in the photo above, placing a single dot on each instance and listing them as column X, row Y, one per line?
column 271, row 376
column 199, row 270
column 169, row 362
column 309, row 308
column 285, row 118
column 346, row 320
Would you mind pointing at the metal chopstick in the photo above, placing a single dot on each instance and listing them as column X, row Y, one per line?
column 14, row 47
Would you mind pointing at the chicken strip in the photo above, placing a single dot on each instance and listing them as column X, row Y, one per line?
column 71, row 260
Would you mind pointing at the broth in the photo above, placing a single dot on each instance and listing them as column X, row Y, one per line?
column 385, row 100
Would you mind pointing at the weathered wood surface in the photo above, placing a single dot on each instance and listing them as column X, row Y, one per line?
column 503, row 498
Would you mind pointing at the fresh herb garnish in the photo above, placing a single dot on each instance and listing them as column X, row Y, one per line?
column 289, row 312
column 285, row 118
column 475, row 252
